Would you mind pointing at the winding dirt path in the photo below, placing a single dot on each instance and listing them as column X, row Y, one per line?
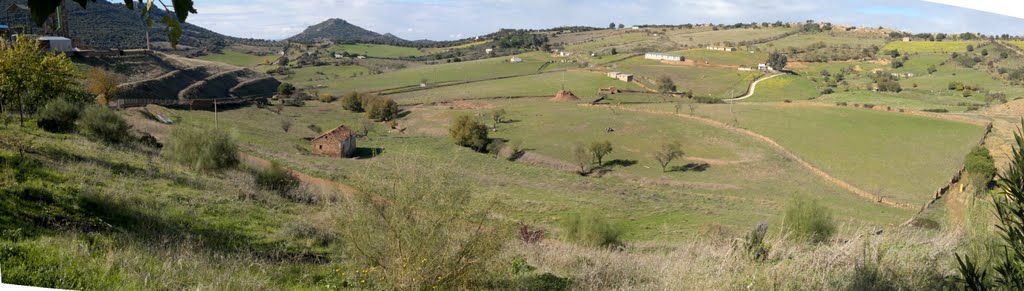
column 782, row 150
column 753, row 86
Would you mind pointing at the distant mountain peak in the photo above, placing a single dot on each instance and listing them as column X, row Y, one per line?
column 339, row 30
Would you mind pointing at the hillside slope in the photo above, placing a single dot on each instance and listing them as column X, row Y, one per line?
column 108, row 25
column 339, row 30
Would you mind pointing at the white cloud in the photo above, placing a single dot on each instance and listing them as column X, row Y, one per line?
column 449, row 19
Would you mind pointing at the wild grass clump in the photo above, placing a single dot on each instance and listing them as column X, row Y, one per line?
column 754, row 245
column 59, row 116
column 205, row 150
column 806, row 219
column 414, row 230
column 276, row 178
column 105, row 125
column 593, row 231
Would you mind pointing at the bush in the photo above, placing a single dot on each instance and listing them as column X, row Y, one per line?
column 207, row 150
column 754, row 246
column 286, row 89
column 980, row 167
column 707, row 100
column 352, row 102
column 276, row 178
column 104, row 124
column 936, row 110
column 413, row 231
column 469, row 132
column 58, row 116
column 808, row 220
column 591, row 230
column 382, row 109
column 326, row 98
column 103, row 83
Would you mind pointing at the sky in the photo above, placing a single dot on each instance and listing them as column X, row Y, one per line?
column 456, row 19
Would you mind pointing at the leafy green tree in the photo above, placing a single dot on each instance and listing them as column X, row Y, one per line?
column 498, row 116
column 777, row 61
column 382, row 109
column 600, row 149
column 42, row 9
column 469, row 132
column 1007, row 271
column 611, row 25
column 668, row 153
column 30, row 77
column 980, row 167
column 352, row 102
column 665, row 84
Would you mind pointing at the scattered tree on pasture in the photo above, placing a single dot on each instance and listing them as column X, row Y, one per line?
column 600, row 149
column 668, row 152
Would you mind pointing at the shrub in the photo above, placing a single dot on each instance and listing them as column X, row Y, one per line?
column 326, row 98
column 469, row 132
column 294, row 102
column 980, row 167
column 103, row 83
column 708, row 100
column 936, row 110
column 276, row 178
column 591, row 230
column 104, row 124
column 352, row 102
column 806, row 219
column 416, row 231
column 382, row 109
column 754, row 246
column 58, row 116
column 286, row 89
column 207, row 150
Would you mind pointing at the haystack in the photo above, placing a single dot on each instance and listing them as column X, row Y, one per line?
column 565, row 96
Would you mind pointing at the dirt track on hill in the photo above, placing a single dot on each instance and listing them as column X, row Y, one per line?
column 785, row 152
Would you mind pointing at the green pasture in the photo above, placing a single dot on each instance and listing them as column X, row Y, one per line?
column 582, row 84
column 377, row 50
column 930, row 46
column 233, row 57
column 785, row 87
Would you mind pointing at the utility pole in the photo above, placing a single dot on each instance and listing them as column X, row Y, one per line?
column 216, row 122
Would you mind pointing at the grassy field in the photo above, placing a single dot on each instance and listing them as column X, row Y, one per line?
column 233, row 57
column 435, row 74
column 785, row 87
column 711, row 57
column 930, row 46
column 710, row 37
column 804, row 39
column 717, row 82
column 323, row 75
column 874, row 150
column 903, row 101
column 659, row 206
column 434, row 50
column 582, row 84
column 377, row 50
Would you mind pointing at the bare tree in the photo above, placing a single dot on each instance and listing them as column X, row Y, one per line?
column 286, row 124
column 667, row 153
column 693, row 108
column 583, row 158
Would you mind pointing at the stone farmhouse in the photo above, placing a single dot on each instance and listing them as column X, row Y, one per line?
column 621, row 76
column 338, row 142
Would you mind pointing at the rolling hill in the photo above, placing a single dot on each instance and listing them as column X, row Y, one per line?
column 339, row 30
column 108, row 25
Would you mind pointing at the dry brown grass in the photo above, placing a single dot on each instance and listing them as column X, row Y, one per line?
column 900, row 258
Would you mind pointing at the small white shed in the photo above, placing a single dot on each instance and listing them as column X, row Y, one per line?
column 56, row 44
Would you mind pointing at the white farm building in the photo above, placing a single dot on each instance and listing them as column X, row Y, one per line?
column 664, row 57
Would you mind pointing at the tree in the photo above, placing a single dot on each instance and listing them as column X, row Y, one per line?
column 582, row 157
column 600, row 149
column 498, row 116
column 468, row 132
column 1007, row 262
column 382, row 109
column 667, row 153
column 351, row 102
column 622, row 25
column 777, row 61
column 30, row 77
column 611, row 25
column 665, row 84
column 615, row 51
column 286, row 89
column 970, row 48
column 103, row 84
column 42, row 9
column 980, row 168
